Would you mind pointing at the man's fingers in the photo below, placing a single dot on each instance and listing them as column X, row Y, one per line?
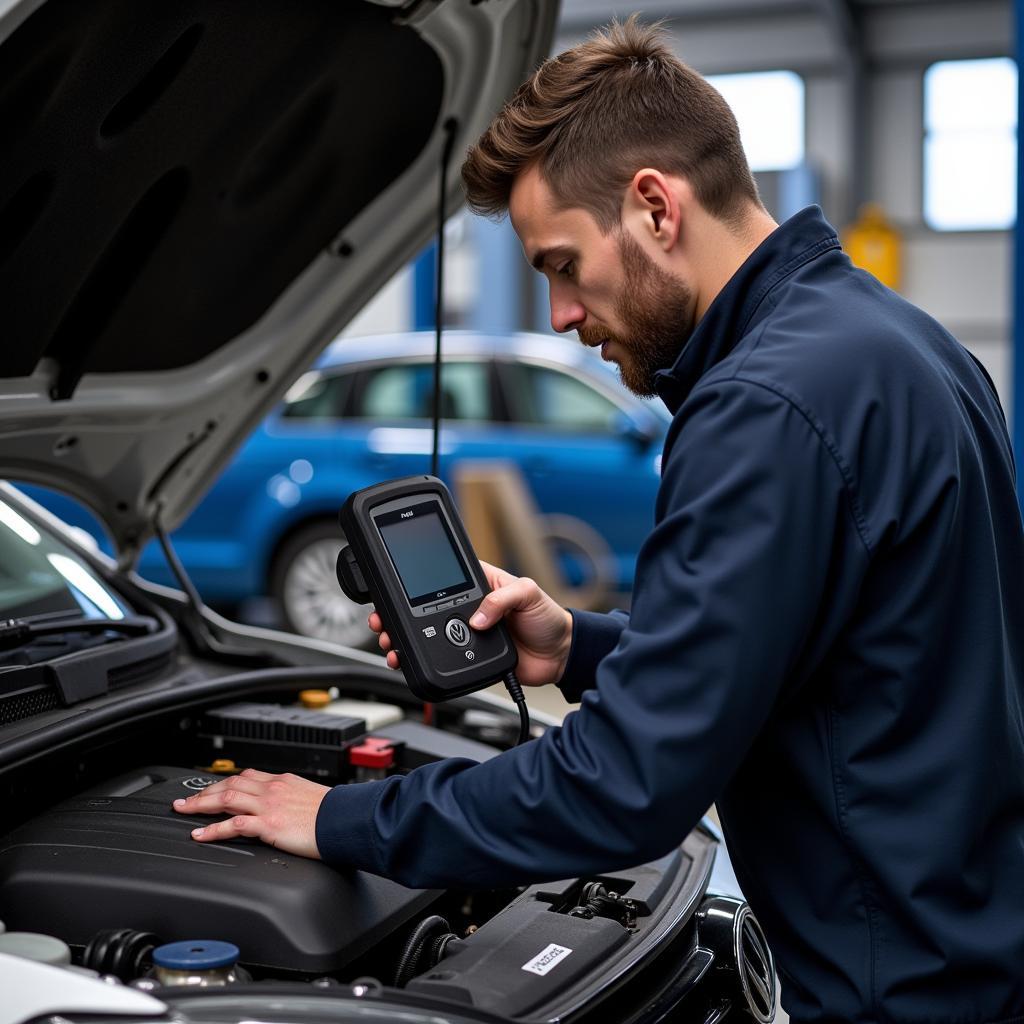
column 376, row 623
column 239, row 825
column 498, row 603
column 249, row 780
column 496, row 577
column 279, row 809
column 241, row 782
column 230, row 801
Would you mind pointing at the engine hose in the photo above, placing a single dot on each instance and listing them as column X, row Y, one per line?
column 423, row 938
column 439, row 947
column 123, row 952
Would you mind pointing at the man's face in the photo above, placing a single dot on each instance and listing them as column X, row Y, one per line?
column 603, row 286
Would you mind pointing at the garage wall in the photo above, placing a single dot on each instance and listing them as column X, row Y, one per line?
column 964, row 279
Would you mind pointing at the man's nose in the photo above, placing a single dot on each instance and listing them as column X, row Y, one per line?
column 566, row 315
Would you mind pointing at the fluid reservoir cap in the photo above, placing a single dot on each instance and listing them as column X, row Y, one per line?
column 314, row 699
column 200, row 955
column 373, row 752
column 44, row 949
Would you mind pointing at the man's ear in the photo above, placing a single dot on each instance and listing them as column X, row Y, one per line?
column 653, row 206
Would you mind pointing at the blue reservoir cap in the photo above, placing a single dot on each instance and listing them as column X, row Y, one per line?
column 200, row 955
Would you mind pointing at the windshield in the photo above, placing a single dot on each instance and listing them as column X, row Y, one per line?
column 40, row 577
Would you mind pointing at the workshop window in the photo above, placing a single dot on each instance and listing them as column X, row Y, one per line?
column 769, row 107
column 970, row 145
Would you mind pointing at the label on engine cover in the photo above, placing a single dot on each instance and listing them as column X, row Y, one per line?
column 547, row 959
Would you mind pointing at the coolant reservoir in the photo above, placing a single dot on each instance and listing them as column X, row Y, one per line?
column 203, row 963
column 44, row 949
column 375, row 715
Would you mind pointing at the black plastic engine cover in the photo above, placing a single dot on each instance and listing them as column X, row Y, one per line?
column 118, row 856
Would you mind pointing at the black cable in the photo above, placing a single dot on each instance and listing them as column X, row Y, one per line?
column 515, row 691
column 450, row 127
column 422, row 940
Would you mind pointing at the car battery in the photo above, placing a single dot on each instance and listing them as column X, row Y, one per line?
column 273, row 738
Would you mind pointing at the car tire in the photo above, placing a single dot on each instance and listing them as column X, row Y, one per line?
column 305, row 586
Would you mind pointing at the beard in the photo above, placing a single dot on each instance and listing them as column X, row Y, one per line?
column 658, row 311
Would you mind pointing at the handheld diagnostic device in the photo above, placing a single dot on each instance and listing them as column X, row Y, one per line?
column 409, row 554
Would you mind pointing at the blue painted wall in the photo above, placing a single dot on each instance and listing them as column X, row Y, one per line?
column 424, row 286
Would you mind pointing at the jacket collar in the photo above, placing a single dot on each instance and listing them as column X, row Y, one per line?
column 740, row 305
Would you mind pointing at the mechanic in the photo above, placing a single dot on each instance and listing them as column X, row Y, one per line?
column 827, row 628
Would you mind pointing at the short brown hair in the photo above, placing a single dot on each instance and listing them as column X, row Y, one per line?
column 591, row 117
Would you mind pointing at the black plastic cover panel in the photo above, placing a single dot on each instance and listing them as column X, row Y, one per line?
column 170, row 168
column 522, row 958
column 118, row 856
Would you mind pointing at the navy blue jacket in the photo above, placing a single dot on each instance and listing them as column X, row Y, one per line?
column 826, row 638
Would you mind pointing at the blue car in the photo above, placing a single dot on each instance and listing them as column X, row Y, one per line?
column 585, row 447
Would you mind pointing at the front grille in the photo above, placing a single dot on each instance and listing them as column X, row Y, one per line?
column 755, row 966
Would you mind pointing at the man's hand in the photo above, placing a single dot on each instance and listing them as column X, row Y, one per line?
column 541, row 628
column 279, row 809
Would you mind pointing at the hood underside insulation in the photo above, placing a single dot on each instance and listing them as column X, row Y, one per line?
column 170, row 168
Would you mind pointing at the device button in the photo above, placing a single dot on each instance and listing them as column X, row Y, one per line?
column 458, row 632
column 428, row 608
column 462, row 600
column 444, row 606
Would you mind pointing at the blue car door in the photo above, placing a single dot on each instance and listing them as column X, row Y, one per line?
column 586, row 451
column 285, row 471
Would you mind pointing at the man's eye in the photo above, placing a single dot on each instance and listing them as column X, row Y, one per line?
column 567, row 269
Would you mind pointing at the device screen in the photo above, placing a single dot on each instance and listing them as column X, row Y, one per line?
column 423, row 552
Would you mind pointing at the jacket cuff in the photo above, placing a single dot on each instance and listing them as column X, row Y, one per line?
column 344, row 825
column 594, row 637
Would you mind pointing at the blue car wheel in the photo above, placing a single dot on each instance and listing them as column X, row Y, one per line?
column 305, row 585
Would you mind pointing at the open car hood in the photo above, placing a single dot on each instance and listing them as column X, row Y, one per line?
column 195, row 197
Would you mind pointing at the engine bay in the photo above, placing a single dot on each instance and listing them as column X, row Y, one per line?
column 112, row 871
column 94, row 861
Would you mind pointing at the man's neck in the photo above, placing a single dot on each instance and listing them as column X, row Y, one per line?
column 729, row 248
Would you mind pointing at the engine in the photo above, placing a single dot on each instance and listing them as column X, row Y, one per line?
column 118, row 854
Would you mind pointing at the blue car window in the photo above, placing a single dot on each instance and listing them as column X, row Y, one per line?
column 550, row 398
column 405, row 391
column 318, row 397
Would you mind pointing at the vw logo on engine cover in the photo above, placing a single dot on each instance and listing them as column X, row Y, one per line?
column 197, row 782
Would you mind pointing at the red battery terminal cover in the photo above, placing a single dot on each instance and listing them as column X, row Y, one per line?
column 373, row 752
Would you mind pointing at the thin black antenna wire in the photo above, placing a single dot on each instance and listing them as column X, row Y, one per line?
column 450, row 127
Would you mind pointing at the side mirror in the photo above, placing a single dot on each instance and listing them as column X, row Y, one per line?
column 641, row 432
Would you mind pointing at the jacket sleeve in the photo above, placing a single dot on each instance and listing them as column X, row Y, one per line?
column 752, row 512
column 594, row 636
